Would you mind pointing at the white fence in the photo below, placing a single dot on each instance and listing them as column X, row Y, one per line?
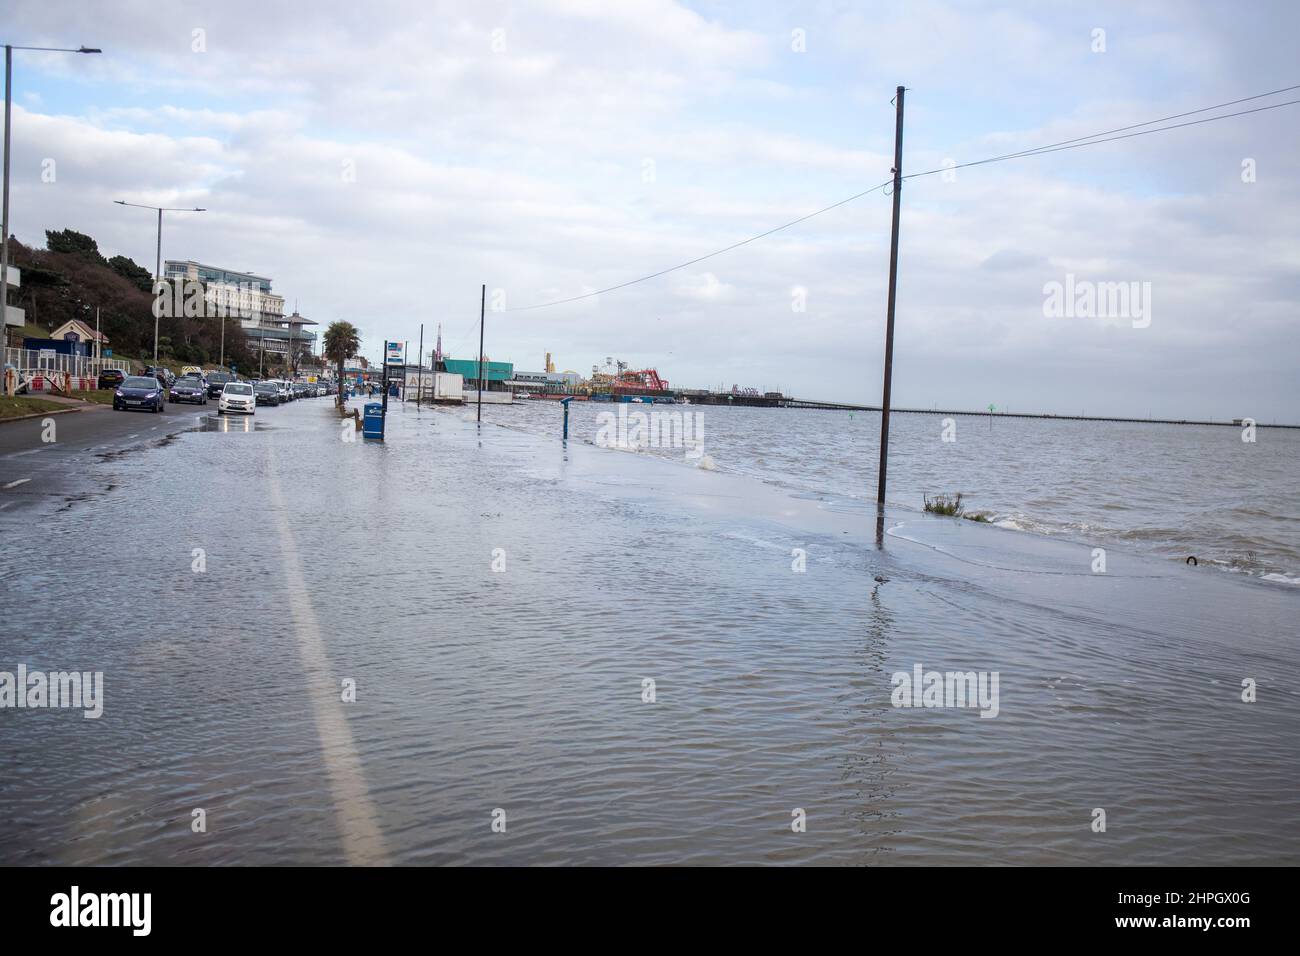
column 78, row 366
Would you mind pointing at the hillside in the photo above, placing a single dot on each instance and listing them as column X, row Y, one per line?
column 70, row 278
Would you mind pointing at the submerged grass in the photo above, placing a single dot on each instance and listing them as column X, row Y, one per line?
column 951, row 506
column 945, row 505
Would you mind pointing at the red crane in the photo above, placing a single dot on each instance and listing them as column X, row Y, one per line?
column 645, row 379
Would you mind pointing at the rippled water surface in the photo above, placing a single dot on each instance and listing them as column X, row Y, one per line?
column 1168, row 490
column 522, row 689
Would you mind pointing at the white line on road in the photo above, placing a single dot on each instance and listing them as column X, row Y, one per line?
column 15, row 484
column 357, row 820
column 30, row 451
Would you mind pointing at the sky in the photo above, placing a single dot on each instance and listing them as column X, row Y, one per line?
column 382, row 161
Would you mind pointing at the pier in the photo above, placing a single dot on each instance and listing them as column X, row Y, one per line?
column 765, row 401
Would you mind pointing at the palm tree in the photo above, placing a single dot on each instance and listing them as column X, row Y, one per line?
column 342, row 341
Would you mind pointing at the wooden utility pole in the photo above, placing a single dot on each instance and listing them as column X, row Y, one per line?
column 482, row 311
column 889, row 314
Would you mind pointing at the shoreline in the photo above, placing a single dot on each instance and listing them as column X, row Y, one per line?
column 1009, row 522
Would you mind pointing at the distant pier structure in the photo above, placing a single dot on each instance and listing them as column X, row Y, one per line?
column 754, row 398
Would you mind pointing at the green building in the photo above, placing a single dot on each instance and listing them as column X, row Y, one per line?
column 496, row 373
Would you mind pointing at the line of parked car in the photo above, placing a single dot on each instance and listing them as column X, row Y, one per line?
column 156, row 386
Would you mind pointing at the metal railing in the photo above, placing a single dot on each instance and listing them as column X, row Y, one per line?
column 78, row 366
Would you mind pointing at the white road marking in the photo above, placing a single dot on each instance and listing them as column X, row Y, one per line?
column 15, row 484
column 358, row 822
column 30, row 451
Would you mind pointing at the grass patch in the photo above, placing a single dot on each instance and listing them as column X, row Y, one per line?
column 952, row 507
column 104, row 396
column 21, row 405
column 949, row 505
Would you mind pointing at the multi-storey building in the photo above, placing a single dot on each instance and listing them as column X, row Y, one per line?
column 249, row 298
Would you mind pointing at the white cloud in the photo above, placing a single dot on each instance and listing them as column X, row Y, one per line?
column 526, row 170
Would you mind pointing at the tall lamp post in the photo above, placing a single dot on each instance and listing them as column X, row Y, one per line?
column 4, row 213
column 157, row 274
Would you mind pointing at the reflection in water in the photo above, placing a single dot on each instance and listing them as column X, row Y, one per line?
column 874, row 749
column 230, row 423
column 523, row 688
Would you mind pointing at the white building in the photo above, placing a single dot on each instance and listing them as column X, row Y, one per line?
column 14, row 316
column 241, row 294
column 249, row 298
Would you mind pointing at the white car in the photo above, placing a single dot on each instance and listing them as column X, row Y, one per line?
column 237, row 397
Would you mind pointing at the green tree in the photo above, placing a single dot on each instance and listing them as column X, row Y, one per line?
column 76, row 243
column 342, row 341
column 138, row 275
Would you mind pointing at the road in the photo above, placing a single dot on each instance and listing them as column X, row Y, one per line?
column 344, row 651
column 34, row 472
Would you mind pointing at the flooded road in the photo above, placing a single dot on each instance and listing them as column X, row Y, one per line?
column 440, row 650
column 1164, row 490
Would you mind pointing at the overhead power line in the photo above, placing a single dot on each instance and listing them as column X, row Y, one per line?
column 716, row 252
column 1094, row 139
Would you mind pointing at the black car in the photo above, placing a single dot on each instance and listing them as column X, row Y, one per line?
column 140, row 391
column 266, row 393
column 164, row 376
column 217, row 381
column 190, row 388
column 111, row 378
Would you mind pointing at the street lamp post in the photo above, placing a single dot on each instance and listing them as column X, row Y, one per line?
column 4, row 213
column 157, row 274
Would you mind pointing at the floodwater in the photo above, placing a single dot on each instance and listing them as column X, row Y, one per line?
column 498, row 603
column 1166, row 490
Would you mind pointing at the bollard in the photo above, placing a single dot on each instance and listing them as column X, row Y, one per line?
column 565, row 403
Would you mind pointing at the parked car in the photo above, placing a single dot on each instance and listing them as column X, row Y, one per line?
column 140, row 391
column 266, row 393
column 164, row 376
column 111, row 378
column 190, row 388
column 217, row 381
column 237, row 397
